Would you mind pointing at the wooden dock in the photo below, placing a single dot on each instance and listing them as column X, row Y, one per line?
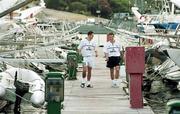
column 102, row 98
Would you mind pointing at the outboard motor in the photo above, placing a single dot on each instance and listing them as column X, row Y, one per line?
column 21, row 90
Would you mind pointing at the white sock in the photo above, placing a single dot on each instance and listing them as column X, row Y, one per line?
column 113, row 81
column 120, row 80
column 88, row 82
column 116, row 81
column 83, row 80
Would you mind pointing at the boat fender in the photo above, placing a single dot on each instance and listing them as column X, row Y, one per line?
column 37, row 99
column 2, row 91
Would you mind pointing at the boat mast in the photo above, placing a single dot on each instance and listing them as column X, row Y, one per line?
column 140, row 5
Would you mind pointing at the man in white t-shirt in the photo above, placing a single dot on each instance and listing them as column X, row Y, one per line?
column 87, row 48
column 112, row 52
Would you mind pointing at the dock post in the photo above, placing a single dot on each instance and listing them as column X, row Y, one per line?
column 135, row 66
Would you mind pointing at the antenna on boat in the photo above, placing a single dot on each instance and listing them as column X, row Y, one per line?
column 15, row 78
column 21, row 90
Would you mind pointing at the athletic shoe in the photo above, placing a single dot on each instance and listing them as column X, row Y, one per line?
column 82, row 85
column 120, row 81
column 114, row 85
column 89, row 86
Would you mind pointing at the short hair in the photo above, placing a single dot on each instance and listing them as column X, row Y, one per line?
column 90, row 32
column 111, row 33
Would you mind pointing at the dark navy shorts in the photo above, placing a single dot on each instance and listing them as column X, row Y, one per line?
column 113, row 61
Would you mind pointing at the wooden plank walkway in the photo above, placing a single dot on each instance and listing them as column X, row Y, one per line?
column 102, row 98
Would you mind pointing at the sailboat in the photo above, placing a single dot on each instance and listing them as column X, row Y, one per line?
column 166, row 22
column 16, row 81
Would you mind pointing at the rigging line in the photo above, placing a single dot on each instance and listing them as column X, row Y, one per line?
column 159, row 73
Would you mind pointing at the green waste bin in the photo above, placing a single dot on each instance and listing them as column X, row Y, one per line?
column 173, row 106
column 54, row 92
column 72, row 64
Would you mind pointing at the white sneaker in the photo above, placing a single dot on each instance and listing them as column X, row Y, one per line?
column 114, row 85
column 120, row 81
column 89, row 86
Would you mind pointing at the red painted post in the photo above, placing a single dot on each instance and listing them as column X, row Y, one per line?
column 135, row 66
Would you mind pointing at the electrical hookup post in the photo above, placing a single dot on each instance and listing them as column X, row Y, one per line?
column 135, row 67
column 54, row 90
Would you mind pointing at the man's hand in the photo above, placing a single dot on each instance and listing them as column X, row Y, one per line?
column 96, row 54
column 107, row 58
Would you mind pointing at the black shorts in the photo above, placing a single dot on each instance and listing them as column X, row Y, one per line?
column 113, row 61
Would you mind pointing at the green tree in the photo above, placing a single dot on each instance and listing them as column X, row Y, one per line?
column 63, row 5
column 53, row 4
column 105, row 8
column 77, row 7
column 92, row 6
column 120, row 5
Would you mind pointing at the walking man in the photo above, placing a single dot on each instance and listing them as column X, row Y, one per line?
column 113, row 52
column 87, row 48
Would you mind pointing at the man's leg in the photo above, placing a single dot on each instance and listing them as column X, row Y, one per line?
column 89, row 73
column 117, row 68
column 83, row 76
column 84, row 72
column 89, row 76
column 117, row 75
column 89, row 68
column 112, row 77
column 112, row 73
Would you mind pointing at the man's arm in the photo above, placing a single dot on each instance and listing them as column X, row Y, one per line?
column 107, row 56
column 80, row 47
column 95, row 49
column 106, row 52
column 122, row 54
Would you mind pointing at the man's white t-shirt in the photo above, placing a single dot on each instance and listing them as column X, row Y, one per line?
column 112, row 49
column 87, row 48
